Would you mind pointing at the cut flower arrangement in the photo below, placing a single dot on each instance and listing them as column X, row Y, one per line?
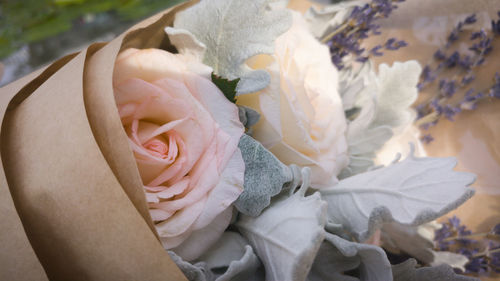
column 223, row 130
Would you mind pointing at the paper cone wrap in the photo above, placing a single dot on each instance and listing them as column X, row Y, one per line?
column 72, row 205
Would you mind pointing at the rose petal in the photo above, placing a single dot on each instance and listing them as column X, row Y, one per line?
column 175, row 189
column 159, row 215
column 225, row 193
column 180, row 222
column 200, row 240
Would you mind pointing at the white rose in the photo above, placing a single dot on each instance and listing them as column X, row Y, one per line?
column 302, row 119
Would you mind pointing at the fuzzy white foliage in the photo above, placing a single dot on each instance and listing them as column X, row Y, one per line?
column 288, row 234
column 234, row 31
column 325, row 20
column 385, row 104
column 412, row 192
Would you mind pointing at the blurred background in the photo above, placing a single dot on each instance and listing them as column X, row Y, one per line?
column 35, row 32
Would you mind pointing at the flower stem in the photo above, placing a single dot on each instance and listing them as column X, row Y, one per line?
column 429, row 118
column 485, row 253
column 487, row 235
column 335, row 32
column 476, row 235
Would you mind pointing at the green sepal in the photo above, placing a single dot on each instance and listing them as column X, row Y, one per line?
column 228, row 87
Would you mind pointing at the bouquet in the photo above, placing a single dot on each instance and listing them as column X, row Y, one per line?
column 218, row 141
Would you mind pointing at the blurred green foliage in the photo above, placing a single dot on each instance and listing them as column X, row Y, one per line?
column 29, row 21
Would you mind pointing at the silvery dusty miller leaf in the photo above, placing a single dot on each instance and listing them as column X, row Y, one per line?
column 264, row 177
column 287, row 235
column 233, row 31
column 385, row 104
column 338, row 255
column 186, row 43
column 321, row 22
column 406, row 271
column 193, row 272
column 248, row 117
column 452, row 259
column 233, row 253
column 397, row 237
column 412, row 192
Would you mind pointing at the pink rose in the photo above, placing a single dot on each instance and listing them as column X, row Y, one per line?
column 184, row 134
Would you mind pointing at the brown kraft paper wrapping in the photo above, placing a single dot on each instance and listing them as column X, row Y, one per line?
column 71, row 199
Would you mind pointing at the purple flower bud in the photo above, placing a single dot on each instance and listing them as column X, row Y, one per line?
column 436, row 106
column 479, row 34
column 454, row 221
column 361, row 24
column 470, row 19
column 468, row 78
column 450, row 112
column 480, row 61
column 393, row 45
column 427, row 138
column 496, row 229
column 453, row 60
column 477, row 265
column 439, row 55
column 495, row 89
column 376, row 51
column 466, row 62
column 495, row 27
column 362, row 59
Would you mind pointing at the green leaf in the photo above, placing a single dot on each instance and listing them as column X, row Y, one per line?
column 228, row 87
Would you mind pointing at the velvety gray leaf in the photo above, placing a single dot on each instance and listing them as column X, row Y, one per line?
column 397, row 93
column 370, row 141
column 357, row 164
column 454, row 260
column 352, row 82
column 248, row 116
column 186, row 43
column 412, row 192
column 193, row 272
column 229, row 247
column 442, row 272
column 385, row 104
column 338, row 255
column 330, row 264
column 231, row 258
column 406, row 271
column 323, row 21
column 233, row 31
column 265, row 176
column 244, row 269
column 288, row 234
column 399, row 238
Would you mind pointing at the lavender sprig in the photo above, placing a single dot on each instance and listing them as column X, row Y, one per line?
column 482, row 249
column 440, row 55
column 440, row 105
column 346, row 39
